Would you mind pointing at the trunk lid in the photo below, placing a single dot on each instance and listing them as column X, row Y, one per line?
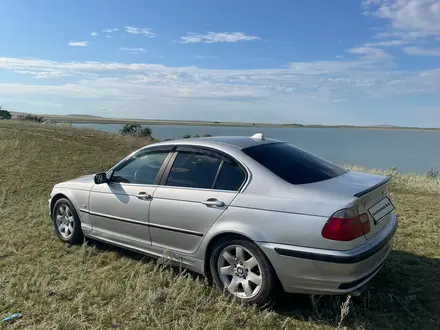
column 370, row 193
column 376, row 203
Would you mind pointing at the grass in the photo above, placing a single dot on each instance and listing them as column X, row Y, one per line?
column 96, row 286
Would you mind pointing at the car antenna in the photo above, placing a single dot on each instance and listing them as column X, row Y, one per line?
column 258, row 136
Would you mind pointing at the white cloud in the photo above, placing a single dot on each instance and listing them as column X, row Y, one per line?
column 388, row 43
column 110, row 30
column 133, row 50
column 364, row 76
column 94, row 34
column 316, row 91
column 213, row 37
column 409, row 18
column 108, row 37
column 371, row 53
column 204, row 56
column 144, row 31
column 414, row 24
column 41, row 74
column 422, row 51
column 78, row 43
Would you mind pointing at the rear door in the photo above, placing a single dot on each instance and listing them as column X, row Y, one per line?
column 196, row 189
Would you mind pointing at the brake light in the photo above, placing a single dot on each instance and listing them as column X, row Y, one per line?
column 345, row 226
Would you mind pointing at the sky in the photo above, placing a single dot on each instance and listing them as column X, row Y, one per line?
column 371, row 62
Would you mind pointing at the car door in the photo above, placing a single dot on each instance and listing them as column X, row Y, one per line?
column 119, row 209
column 197, row 187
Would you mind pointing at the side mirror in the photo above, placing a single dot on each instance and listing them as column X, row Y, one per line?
column 101, row 178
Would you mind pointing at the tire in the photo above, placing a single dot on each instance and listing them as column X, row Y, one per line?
column 67, row 225
column 255, row 275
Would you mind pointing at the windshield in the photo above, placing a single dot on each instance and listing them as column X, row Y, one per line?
column 293, row 164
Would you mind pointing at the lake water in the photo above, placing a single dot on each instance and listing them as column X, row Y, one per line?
column 409, row 151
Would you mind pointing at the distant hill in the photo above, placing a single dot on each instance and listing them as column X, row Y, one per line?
column 79, row 115
column 384, row 126
column 15, row 115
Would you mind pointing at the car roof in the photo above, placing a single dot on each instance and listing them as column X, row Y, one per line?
column 240, row 142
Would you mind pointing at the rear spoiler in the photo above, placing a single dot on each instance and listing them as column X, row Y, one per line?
column 377, row 185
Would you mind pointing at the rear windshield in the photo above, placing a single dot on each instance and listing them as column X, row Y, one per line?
column 294, row 164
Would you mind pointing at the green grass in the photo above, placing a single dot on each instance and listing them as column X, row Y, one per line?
column 95, row 286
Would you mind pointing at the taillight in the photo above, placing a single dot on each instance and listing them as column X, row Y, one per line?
column 345, row 225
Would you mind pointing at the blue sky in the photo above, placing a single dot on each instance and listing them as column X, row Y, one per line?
column 311, row 61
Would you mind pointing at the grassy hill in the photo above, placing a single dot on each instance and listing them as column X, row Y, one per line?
column 96, row 286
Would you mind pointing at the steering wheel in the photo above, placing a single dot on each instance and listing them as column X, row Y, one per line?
column 145, row 174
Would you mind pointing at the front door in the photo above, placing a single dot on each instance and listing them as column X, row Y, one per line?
column 119, row 209
column 195, row 191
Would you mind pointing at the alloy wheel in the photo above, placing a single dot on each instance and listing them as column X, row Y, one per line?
column 239, row 271
column 65, row 221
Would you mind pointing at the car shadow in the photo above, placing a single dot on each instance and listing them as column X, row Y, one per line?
column 405, row 294
column 118, row 190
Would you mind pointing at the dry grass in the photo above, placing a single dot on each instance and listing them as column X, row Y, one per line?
column 96, row 286
column 407, row 181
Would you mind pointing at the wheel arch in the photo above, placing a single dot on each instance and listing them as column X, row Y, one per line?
column 213, row 242
column 64, row 193
column 225, row 226
column 56, row 198
column 77, row 236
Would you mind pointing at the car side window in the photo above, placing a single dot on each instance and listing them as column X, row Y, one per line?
column 141, row 168
column 231, row 177
column 193, row 170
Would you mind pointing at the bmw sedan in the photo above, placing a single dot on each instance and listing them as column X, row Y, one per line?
column 255, row 216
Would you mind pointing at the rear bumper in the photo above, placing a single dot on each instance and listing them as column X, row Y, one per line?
column 308, row 270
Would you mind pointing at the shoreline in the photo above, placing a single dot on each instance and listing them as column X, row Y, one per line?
column 354, row 166
column 153, row 122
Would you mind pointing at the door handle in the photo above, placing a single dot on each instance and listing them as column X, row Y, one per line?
column 213, row 202
column 144, row 196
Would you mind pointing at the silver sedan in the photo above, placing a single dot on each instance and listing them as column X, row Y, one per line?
column 254, row 215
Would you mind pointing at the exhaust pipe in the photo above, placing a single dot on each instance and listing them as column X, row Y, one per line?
column 357, row 292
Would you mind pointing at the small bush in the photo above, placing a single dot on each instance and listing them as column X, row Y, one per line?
column 394, row 171
column 136, row 130
column 4, row 114
column 30, row 117
column 432, row 173
column 188, row 136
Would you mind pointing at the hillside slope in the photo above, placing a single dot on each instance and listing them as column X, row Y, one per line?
column 96, row 286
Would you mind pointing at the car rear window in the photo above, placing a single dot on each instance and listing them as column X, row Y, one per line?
column 293, row 164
